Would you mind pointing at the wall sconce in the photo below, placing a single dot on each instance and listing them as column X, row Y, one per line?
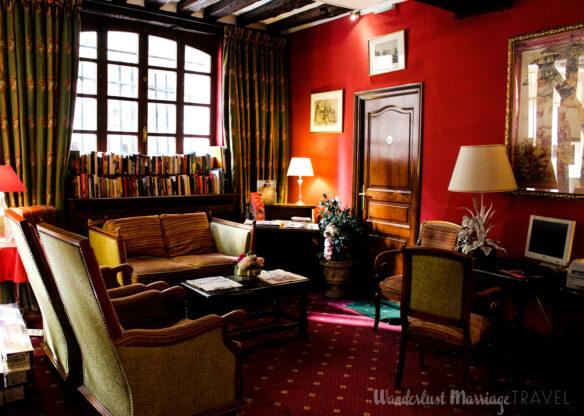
column 300, row 166
column 355, row 15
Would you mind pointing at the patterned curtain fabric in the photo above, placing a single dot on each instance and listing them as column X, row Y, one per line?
column 255, row 113
column 39, row 55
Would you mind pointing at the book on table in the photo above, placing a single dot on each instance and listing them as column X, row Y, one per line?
column 209, row 284
column 279, row 276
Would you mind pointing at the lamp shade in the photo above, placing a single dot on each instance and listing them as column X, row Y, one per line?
column 300, row 166
column 9, row 181
column 483, row 168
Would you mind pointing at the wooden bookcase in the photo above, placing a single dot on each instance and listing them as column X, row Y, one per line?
column 80, row 210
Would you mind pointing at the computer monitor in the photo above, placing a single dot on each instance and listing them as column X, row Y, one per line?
column 550, row 240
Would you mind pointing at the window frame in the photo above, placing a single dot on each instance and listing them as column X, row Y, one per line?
column 205, row 42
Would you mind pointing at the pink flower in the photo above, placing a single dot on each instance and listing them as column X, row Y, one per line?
column 328, row 248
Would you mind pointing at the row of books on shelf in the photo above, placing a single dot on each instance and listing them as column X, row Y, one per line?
column 110, row 164
column 94, row 186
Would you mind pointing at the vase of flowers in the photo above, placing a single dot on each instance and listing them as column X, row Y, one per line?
column 249, row 265
column 342, row 233
column 472, row 237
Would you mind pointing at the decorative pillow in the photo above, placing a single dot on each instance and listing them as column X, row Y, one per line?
column 142, row 235
column 187, row 234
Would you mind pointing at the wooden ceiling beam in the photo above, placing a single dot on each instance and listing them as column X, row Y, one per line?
column 309, row 16
column 226, row 7
column 155, row 4
column 465, row 8
column 192, row 6
column 271, row 9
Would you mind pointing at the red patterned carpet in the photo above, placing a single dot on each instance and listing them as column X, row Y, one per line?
column 342, row 367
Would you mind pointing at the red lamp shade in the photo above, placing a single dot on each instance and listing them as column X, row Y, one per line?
column 9, row 182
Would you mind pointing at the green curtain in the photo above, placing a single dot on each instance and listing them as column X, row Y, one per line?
column 255, row 109
column 39, row 56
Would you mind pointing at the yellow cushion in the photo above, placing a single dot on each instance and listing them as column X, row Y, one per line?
column 479, row 327
column 187, row 234
column 142, row 235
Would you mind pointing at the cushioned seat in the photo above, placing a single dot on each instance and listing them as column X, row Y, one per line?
column 209, row 264
column 152, row 269
column 479, row 328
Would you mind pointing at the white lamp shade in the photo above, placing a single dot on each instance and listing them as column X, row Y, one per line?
column 483, row 168
column 300, row 166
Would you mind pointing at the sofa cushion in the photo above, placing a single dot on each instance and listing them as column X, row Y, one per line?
column 142, row 235
column 187, row 234
column 149, row 269
column 209, row 264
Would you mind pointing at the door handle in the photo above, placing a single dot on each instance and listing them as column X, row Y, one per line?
column 362, row 195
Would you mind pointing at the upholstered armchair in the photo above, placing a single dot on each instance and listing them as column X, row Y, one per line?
column 436, row 305
column 59, row 343
column 433, row 234
column 189, row 368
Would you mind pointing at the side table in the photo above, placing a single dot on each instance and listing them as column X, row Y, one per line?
column 11, row 268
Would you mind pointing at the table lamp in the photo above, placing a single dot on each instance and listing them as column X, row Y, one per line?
column 9, row 182
column 480, row 169
column 300, row 166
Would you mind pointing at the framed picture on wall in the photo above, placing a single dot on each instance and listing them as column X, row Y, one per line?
column 387, row 53
column 326, row 112
column 544, row 130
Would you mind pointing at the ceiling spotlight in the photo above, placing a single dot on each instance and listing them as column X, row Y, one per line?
column 355, row 15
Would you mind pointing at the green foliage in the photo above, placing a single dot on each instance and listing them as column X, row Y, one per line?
column 342, row 231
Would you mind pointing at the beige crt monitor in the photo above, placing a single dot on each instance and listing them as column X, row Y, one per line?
column 550, row 240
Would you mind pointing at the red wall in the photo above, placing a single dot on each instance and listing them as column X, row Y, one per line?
column 463, row 65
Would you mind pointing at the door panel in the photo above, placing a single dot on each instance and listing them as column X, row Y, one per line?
column 387, row 165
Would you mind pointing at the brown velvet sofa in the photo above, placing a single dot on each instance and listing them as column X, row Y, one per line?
column 170, row 247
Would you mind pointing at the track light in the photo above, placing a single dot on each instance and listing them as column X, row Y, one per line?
column 355, row 15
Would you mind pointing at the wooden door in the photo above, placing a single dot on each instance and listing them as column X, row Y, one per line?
column 386, row 169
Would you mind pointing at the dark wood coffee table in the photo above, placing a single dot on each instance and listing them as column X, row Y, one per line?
column 253, row 293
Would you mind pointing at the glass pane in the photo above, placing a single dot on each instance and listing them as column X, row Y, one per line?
column 196, row 60
column 88, row 45
column 159, row 146
column 85, row 143
column 161, row 52
column 197, row 89
column 122, row 144
column 161, row 85
column 196, row 145
column 161, row 118
column 87, row 79
column 122, row 81
column 122, row 47
column 85, row 114
column 122, row 115
column 197, row 120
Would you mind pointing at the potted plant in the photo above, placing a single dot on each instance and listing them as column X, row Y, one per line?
column 342, row 233
column 472, row 237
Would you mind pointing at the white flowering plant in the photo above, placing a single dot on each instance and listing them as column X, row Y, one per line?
column 341, row 231
column 472, row 237
column 249, row 260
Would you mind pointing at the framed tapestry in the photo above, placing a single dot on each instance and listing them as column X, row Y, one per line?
column 544, row 130
column 326, row 112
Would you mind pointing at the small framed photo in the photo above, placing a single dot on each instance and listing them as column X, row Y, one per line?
column 387, row 53
column 326, row 112
column 267, row 191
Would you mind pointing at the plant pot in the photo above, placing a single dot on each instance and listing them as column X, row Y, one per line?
column 336, row 273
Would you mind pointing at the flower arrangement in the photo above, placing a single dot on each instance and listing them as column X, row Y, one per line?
column 249, row 265
column 341, row 231
column 474, row 231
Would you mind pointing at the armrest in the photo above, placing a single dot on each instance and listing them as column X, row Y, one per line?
column 108, row 246
column 142, row 310
column 382, row 263
column 119, row 292
column 181, row 331
column 110, row 275
column 231, row 238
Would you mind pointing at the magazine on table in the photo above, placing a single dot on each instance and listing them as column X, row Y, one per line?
column 209, row 284
column 279, row 276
